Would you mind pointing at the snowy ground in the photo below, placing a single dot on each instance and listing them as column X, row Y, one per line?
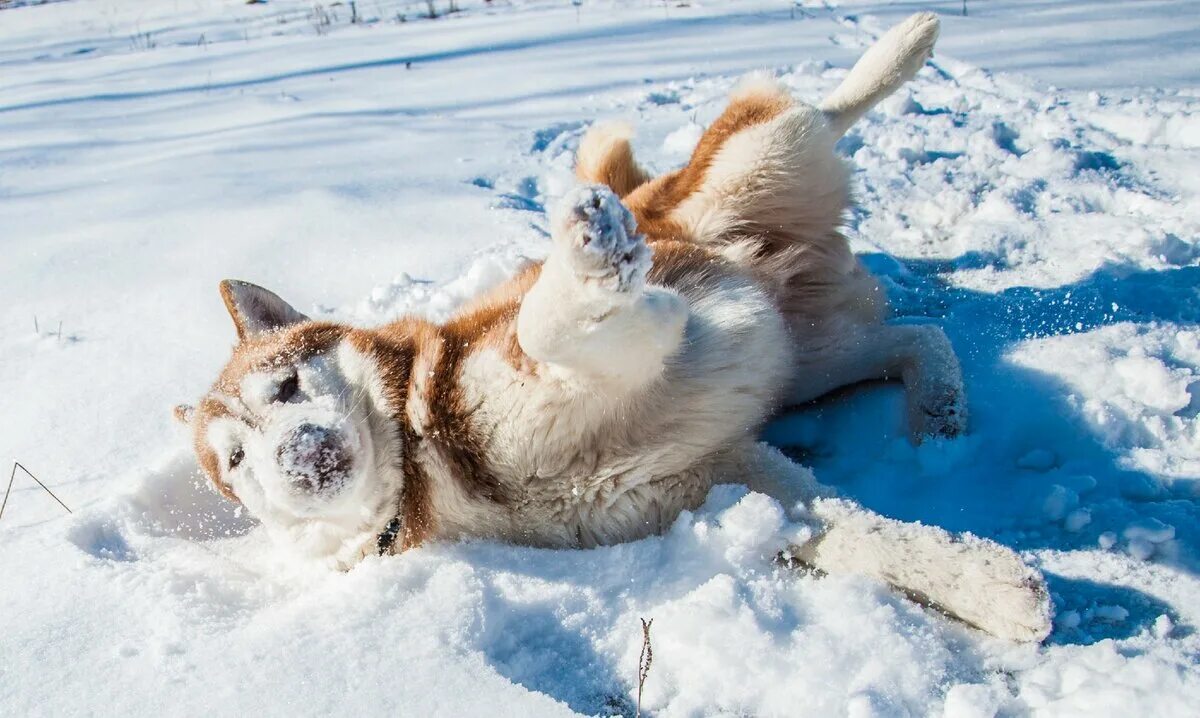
column 150, row 148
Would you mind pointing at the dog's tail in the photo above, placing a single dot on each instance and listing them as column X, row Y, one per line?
column 892, row 61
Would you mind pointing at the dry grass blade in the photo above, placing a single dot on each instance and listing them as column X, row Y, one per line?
column 644, row 661
column 13, row 475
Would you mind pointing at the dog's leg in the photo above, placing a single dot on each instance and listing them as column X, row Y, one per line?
column 920, row 355
column 978, row 581
column 764, row 469
column 590, row 313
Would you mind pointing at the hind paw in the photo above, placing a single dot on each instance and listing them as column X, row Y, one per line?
column 599, row 239
column 938, row 414
column 1000, row 594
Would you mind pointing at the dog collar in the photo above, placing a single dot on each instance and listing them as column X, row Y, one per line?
column 387, row 539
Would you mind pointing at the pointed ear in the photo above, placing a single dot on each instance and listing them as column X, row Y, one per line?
column 184, row 413
column 256, row 310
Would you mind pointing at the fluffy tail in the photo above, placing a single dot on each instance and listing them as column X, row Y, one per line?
column 892, row 61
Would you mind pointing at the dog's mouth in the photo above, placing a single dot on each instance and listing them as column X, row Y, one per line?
column 315, row 460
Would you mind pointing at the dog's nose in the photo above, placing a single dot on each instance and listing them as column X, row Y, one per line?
column 313, row 457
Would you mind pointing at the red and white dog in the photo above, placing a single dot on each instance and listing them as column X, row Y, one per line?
column 595, row 396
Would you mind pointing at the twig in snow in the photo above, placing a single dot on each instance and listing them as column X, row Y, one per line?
column 13, row 475
column 644, row 660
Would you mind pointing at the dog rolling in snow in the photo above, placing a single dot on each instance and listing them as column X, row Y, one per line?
column 594, row 397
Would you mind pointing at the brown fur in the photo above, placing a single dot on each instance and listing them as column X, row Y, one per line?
column 616, row 168
column 208, row 410
column 489, row 321
column 653, row 202
column 676, row 264
column 254, row 353
column 393, row 351
column 447, row 429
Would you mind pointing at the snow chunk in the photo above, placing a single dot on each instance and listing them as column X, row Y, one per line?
column 1130, row 384
column 1077, row 519
column 1059, row 501
column 1141, row 549
column 1164, row 626
column 1038, row 460
column 1149, row 529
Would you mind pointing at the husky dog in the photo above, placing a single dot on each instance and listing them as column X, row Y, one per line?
column 593, row 397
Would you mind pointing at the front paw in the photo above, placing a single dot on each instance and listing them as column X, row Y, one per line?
column 598, row 238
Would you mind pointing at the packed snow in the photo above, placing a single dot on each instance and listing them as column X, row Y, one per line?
column 1034, row 192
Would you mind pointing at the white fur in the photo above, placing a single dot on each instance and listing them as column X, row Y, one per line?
column 591, row 297
column 780, row 174
column 647, row 384
column 979, row 581
column 343, row 395
column 642, row 396
column 893, row 60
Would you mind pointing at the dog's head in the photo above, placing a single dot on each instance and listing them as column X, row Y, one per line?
column 294, row 429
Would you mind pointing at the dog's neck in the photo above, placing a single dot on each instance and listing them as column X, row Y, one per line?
column 412, row 371
column 400, row 368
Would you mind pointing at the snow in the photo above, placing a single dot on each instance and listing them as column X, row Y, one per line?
column 1034, row 191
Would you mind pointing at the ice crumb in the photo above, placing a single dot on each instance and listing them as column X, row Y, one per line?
column 1068, row 619
column 1164, row 626
column 682, row 141
column 1112, row 614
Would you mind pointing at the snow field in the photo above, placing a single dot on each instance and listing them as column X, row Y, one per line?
column 1053, row 232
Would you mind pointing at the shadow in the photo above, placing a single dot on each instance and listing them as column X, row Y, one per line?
column 539, row 651
column 632, row 32
column 854, row 439
column 1090, row 611
column 171, row 500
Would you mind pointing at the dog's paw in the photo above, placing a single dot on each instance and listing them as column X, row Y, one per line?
column 998, row 593
column 940, row 413
column 599, row 240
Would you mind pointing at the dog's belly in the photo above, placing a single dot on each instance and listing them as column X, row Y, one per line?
column 591, row 468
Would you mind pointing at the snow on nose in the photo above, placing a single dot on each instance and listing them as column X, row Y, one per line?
column 314, row 458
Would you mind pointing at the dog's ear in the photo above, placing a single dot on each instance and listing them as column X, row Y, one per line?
column 184, row 413
column 256, row 310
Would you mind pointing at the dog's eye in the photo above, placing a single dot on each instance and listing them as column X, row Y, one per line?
column 236, row 458
column 287, row 389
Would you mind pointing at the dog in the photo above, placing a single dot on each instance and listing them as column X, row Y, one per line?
column 593, row 397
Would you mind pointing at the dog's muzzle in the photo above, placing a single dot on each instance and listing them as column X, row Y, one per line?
column 314, row 459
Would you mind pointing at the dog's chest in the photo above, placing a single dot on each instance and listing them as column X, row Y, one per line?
column 578, row 468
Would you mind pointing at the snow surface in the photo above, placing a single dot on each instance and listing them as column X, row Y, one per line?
column 151, row 148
